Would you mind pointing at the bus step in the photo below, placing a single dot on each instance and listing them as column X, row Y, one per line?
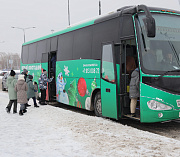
column 129, row 116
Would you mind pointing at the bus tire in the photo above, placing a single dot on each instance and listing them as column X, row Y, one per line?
column 97, row 105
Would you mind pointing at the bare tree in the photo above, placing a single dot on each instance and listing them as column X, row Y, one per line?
column 9, row 61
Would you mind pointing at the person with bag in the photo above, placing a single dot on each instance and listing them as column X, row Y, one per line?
column 43, row 86
column 30, row 92
column 21, row 88
column 11, row 82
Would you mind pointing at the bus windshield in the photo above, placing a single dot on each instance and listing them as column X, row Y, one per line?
column 161, row 53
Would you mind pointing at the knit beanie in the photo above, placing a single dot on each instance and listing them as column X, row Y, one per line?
column 25, row 71
column 12, row 73
column 30, row 77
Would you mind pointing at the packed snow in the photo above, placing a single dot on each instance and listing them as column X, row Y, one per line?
column 50, row 131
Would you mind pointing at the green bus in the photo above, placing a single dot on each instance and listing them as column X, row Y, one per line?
column 91, row 69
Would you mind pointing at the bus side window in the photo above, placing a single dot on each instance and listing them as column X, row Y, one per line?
column 107, row 64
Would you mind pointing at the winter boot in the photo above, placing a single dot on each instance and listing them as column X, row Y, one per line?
column 20, row 112
column 24, row 111
column 35, row 105
column 27, row 105
column 7, row 110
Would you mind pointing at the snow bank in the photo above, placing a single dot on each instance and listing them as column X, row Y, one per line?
column 50, row 132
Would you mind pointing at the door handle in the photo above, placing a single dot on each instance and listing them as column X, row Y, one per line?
column 108, row 90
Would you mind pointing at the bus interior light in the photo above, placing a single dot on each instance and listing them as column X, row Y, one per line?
column 155, row 105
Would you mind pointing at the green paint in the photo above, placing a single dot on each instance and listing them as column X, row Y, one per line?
column 108, row 99
column 87, row 70
column 33, row 69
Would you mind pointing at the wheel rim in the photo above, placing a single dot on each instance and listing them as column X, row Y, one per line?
column 98, row 106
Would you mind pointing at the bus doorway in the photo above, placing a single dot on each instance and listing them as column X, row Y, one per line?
column 129, row 62
column 52, row 73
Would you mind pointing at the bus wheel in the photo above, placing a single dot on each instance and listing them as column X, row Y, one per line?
column 97, row 105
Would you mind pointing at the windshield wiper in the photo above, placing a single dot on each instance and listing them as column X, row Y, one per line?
column 157, row 78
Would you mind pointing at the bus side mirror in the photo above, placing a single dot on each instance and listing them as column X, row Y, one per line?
column 150, row 26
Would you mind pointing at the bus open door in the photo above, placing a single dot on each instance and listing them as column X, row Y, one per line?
column 108, row 82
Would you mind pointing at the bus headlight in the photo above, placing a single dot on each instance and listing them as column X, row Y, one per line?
column 155, row 105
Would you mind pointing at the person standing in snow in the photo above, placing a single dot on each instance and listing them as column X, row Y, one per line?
column 134, row 91
column 21, row 88
column 43, row 86
column 30, row 92
column 11, row 82
column 36, row 90
column 25, row 73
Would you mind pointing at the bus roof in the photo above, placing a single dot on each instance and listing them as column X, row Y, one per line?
column 123, row 10
column 70, row 28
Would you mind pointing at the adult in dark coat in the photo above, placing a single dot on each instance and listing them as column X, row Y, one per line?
column 11, row 82
column 25, row 73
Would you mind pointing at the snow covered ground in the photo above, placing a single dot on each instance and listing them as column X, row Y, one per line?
column 55, row 132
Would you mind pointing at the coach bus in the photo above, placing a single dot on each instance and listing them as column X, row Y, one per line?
column 91, row 63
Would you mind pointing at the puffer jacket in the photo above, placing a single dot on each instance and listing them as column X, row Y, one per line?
column 134, row 84
column 21, row 88
column 11, row 82
column 30, row 92
column 43, row 81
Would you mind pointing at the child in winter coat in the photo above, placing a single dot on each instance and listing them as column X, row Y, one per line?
column 36, row 90
column 134, row 91
column 30, row 92
column 11, row 82
column 21, row 89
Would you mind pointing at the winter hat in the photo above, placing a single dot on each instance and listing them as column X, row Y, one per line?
column 25, row 71
column 12, row 73
column 21, row 77
column 30, row 77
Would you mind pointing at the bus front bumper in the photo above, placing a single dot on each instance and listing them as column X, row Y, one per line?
column 159, row 115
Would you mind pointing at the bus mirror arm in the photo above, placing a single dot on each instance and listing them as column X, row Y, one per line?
column 149, row 21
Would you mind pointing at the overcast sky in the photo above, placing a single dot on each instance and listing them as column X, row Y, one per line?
column 47, row 15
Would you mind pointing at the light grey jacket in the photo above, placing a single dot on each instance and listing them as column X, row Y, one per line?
column 134, row 84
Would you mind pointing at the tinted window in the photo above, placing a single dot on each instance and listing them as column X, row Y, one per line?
column 41, row 48
column 102, row 33
column 24, row 54
column 48, row 45
column 126, row 27
column 107, row 63
column 65, row 47
column 32, row 53
column 44, row 58
column 82, row 43
column 54, row 43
